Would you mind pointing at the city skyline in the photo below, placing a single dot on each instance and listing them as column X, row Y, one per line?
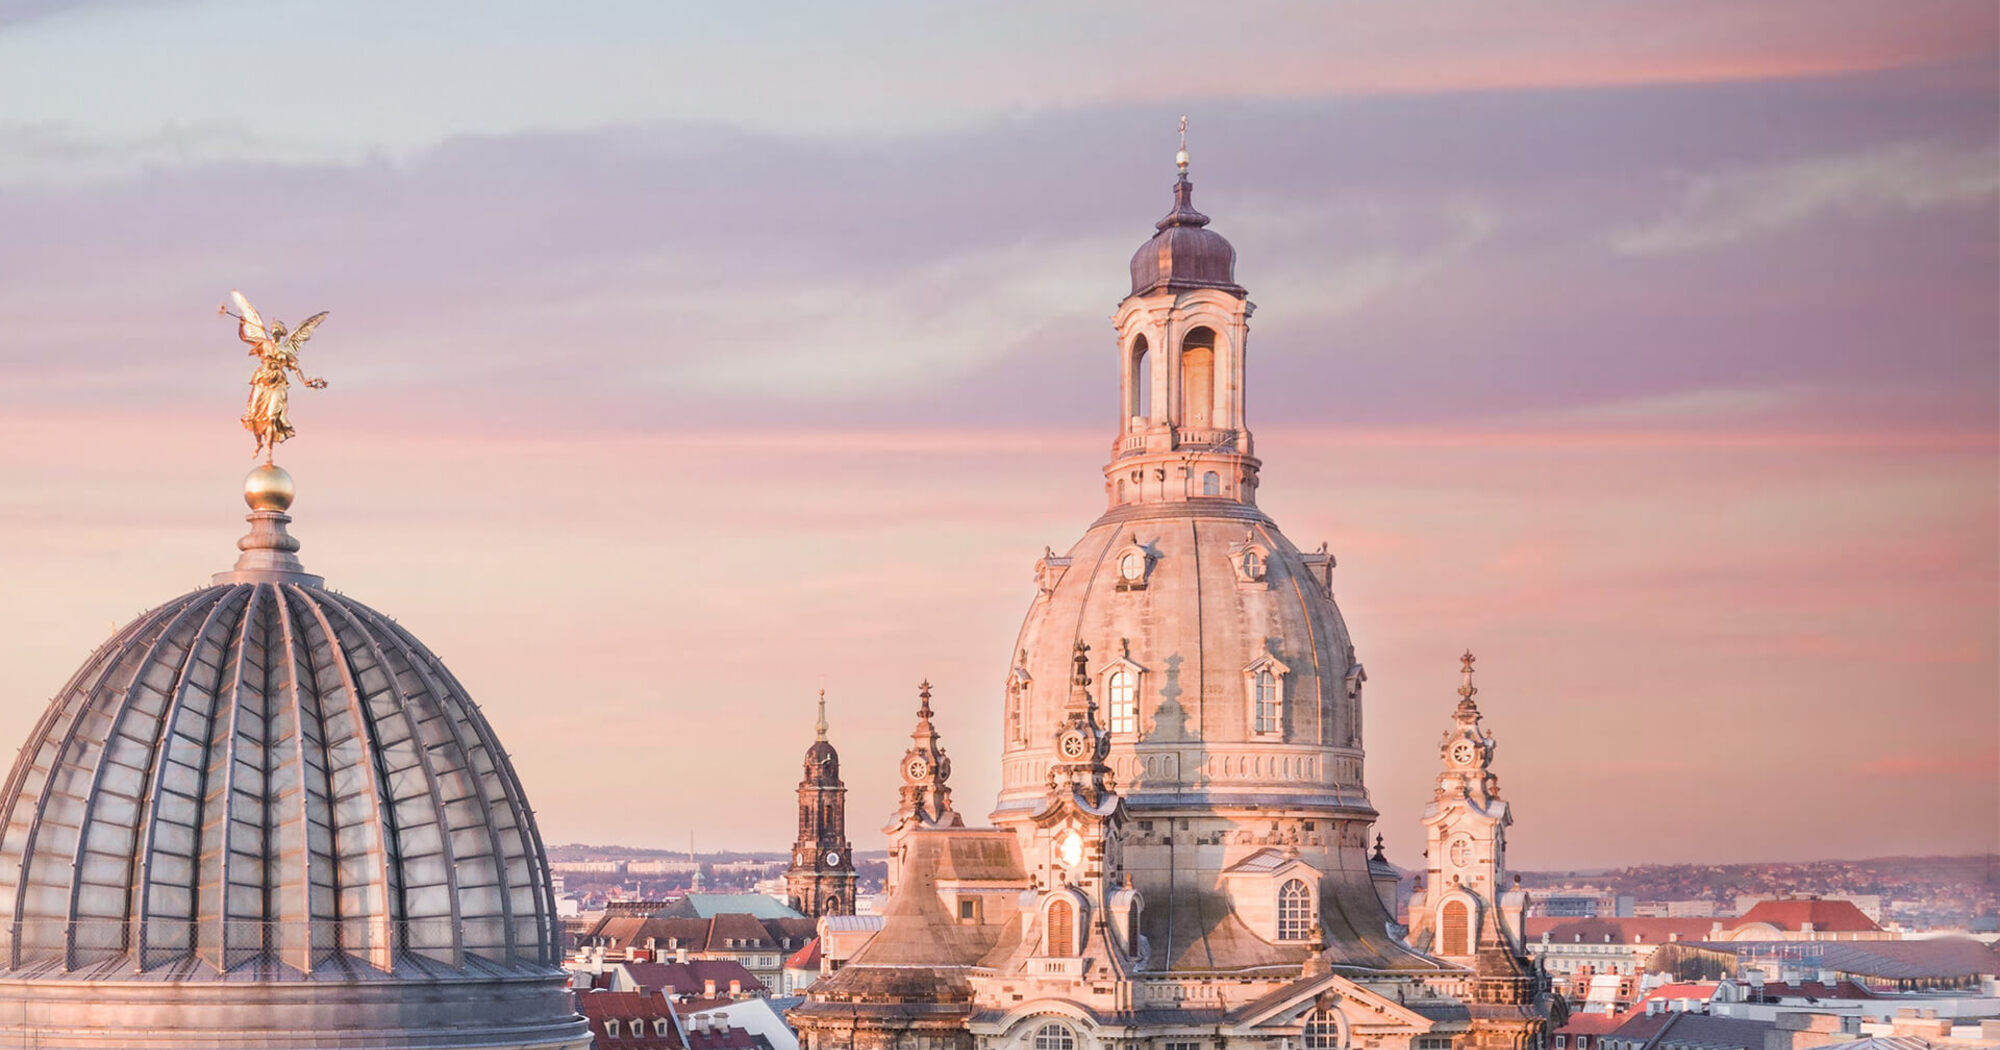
column 1660, row 377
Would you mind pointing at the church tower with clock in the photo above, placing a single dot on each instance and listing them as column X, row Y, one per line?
column 1466, row 906
column 821, row 879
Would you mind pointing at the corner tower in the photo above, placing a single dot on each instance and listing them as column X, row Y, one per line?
column 1224, row 681
column 821, row 878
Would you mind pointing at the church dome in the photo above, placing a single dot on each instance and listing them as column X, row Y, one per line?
column 1186, row 607
column 1185, row 253
column 264, row 807
column 822, row 763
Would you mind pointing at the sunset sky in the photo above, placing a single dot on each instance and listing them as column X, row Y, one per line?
column 685, row 359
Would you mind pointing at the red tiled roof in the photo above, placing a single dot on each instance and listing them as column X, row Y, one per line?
column 1816, row 990
column 1620, row 931
column 1703, row 990
column 806, row 958
column 721, row 1039
column 692, row 977
column 626, row 1008
column 1593, row 1024
column 1792, row 915
column 732, row 932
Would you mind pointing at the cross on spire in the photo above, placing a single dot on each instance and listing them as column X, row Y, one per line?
column 1181, row 158
column 1465, row 669
column 821, row 726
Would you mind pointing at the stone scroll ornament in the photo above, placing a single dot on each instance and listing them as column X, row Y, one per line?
column 276, row 349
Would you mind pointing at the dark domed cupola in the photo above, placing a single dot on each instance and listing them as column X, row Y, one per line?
column 1185, row 253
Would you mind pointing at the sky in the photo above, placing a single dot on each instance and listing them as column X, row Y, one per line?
column 687, row 359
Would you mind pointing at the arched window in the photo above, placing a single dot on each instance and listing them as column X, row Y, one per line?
column 1267, row 702
column 832, row 906
column 1295, row 911
column 1124, row 693
column 1322, row 1031
column 1456, row 919
column 1253, row 566
column 1198, row 378
column 1062, row 928
column 1139, row 382
column 1055, row 1036
column 1132, row 932
column 1211, row 484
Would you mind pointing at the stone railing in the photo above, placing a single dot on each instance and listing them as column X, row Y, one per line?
column 1196, row 437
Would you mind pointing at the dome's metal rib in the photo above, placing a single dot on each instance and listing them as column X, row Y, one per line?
column 35, row 931
column 524, row 872
column 30, row 773
column 162, row 892
column 475, row 903
column 234, row 782
column 363, row 828
column 99, row 863
column 429, row 901
column 298, row 855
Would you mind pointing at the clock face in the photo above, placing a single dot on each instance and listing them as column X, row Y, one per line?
column 1073, row 744
column 917, row 769
column 1461, row 752
column 1070, row 849
column 833, row 859
column 1461, row 852
column 1132, row 566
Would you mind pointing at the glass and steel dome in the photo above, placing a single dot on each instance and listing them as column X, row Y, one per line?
column 266, row 807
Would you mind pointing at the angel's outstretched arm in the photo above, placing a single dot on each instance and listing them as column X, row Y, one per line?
column 315, row 383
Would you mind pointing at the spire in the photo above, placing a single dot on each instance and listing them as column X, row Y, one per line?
column 1079, row 679
column 926, row 796
column 1466, row 690
column 820, row 726
column 1181, row 158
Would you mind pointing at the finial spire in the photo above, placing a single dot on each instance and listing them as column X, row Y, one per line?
column 1181, row 158
column 820, row 727
column 1465, row 670
column 270, row 552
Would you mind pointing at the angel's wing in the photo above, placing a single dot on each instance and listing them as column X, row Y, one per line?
column 305, row 329
column 250, row 327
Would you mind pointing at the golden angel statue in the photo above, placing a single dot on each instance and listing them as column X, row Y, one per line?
column 277, row 352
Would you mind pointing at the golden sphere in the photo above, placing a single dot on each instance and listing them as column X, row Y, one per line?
column 268, row 487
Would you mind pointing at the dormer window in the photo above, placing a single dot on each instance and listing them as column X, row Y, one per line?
column 1264, row 689
column 1122, row 689
column 1252, row 561
column 1295, row 911
column 1132, row 566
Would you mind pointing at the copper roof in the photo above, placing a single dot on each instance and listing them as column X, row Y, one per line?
column 1185, row 253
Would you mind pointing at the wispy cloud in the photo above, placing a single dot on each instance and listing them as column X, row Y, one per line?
column 1728, row 206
